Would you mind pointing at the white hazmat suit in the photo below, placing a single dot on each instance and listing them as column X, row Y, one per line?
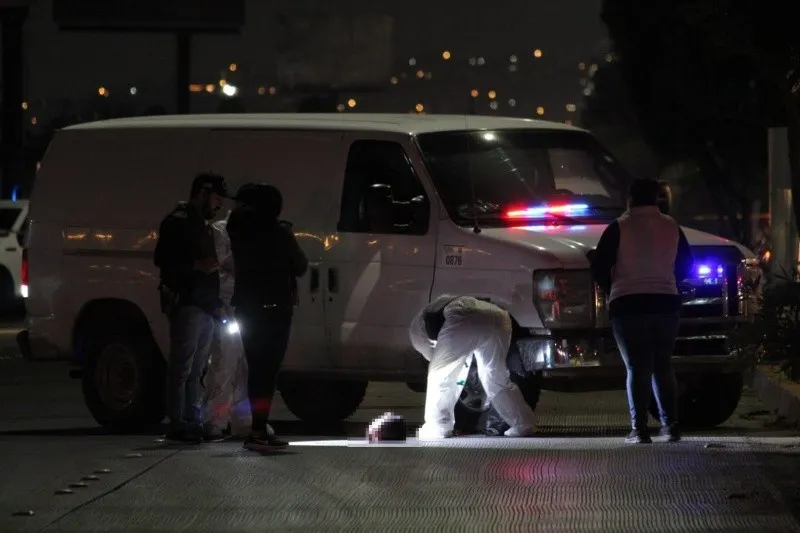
column 226, row 379
column 471, row 327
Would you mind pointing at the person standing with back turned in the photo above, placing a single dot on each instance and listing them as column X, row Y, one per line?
column 639, row 262
column 267, row 260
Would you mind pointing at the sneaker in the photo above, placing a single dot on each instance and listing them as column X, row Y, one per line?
column 520, row 431
column 433, row 432
column 215, row 436
column 638, row 436
column 185, row 436
column 264, row 443
column 671, row 432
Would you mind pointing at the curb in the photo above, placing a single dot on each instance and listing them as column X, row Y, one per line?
column 777, row 393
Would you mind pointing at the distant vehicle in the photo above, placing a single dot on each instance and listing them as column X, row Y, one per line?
column 13, row 224
column 392, row 211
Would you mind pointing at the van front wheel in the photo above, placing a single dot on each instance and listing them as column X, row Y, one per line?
column 322, row 401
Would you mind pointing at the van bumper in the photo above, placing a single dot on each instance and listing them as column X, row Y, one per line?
column 701, row 346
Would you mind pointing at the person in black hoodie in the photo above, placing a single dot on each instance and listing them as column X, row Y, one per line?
column 267, row 260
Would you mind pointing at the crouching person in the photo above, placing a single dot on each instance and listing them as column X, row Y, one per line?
column 447, row 332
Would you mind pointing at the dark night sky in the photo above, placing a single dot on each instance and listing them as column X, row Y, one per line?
column 73, row 65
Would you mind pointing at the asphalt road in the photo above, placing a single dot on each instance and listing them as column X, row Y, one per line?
column 577, row 476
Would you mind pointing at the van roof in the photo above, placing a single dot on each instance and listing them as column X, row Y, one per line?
column 395, row 123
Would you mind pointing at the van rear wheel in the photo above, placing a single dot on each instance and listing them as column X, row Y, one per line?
column 322, row 401
column 123, row 384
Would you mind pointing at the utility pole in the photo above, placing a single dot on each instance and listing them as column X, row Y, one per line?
column 12, row 18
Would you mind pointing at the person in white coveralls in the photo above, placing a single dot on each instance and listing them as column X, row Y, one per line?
column 226, row 379
column 448, row 332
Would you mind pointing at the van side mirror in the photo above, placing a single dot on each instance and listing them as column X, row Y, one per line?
column 379, row 208
column 387, row 215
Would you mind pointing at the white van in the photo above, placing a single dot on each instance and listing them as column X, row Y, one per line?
column 13, row 222
column 499, row 208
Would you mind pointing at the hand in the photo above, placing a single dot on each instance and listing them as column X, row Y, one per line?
column 206, row 266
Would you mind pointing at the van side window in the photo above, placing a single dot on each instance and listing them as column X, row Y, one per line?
column 382, row 193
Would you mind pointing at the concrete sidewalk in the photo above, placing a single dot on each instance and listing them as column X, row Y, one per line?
column 778, row 394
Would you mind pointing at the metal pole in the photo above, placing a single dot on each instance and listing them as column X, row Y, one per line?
column 782, row 220
column 11, row 113
column 183, row 68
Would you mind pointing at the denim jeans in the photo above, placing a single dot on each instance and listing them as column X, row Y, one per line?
column 191, row 330
column 646, row 343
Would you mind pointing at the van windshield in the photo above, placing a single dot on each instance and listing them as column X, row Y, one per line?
column 519, row 175
column 8, row 216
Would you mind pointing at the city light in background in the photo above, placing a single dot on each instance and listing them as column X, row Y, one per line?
column 417, row 81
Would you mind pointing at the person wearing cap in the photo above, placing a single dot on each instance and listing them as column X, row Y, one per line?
column 639, row 262
column 267, row 260
column 186, row 256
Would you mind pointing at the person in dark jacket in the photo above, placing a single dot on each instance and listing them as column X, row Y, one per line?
column 267, row 260
column 639, row 262
column 189, row 288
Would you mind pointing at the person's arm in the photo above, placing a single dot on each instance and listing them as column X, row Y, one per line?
column 224, row 254
column 605, row 257
column 297, row 256
column 419, row 337
column 173, row 254
column 684, row 261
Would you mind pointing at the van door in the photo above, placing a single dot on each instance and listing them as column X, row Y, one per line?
column 379, row 273
column 297, row 163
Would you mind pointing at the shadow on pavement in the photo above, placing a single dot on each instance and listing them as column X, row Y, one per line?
column 72, row 432
column 348, row 429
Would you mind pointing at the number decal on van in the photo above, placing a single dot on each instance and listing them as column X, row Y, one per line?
column 453, row 255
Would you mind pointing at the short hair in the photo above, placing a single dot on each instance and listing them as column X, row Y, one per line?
column 644, row 191
column 208, row 180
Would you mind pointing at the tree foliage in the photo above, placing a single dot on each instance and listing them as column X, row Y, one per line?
column 705, row 79
column 609, row 114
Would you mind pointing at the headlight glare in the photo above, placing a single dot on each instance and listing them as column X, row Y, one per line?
column 564, row 298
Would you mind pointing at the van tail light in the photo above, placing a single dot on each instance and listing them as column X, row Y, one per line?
column 24, row 274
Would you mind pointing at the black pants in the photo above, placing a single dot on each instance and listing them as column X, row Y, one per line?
column 265, row 337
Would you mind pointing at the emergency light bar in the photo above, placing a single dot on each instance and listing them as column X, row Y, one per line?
column 704, row 271
column 707, row 274
column 543, row 211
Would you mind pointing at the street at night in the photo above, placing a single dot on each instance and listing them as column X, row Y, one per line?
column 247, row 246
column 577, row 476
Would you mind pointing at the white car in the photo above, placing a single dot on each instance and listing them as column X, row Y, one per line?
column 13, row 223
column 391, row 210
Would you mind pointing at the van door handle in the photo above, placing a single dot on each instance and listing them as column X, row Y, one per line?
column 333, row 280
column 314, row 285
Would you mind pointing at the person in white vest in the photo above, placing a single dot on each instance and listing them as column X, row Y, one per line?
column 639, row 262
column 448, row 332
column 226, row 379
